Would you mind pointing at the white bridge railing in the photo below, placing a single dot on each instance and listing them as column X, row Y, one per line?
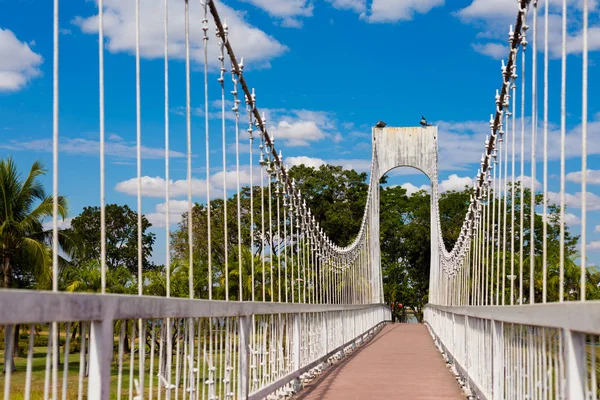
column 514, row 305
column 544, row 351
column 220, row 349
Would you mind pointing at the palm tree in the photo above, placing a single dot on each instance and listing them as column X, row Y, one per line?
column 87, row 277
column 23, row 241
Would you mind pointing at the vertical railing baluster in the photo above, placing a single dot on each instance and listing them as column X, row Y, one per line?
column 498, row 359
column 244, row 357
column 297, row 342
column 575, row 364
column 101, row 351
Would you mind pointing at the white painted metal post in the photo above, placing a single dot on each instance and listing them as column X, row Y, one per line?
column 297, row 339
column 498, row 360
column 325, row 337
column 575, row 359
column 466, row 338
column 244, row 358
column 101, row 351
column 8, row 349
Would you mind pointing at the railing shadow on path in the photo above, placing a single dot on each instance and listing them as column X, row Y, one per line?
column 323, row 383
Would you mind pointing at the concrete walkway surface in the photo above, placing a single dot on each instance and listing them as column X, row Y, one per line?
column 401, row 362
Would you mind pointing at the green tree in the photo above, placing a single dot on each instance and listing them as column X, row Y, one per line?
column 87, row 277
column 24, row 205
column 572, row 268
column 405, row 242
column 180, row 249
column 121, row 237
column 335, row 196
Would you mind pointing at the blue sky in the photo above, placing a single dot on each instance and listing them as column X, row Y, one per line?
column 324, row 72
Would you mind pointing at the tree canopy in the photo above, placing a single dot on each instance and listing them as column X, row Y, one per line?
column 335, row 196
column 24, row 243
column 121, row 237
column 25, row 246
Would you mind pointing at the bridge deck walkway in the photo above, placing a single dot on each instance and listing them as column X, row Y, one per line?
column 401, row 362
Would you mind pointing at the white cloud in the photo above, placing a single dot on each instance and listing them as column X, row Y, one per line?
column 244, row 146
column 114, row 137
column 454, row 182
column 412, row 189
column 79, row 146
column 64, row 31
column 358, row 6
column 216, row 180
column 593, row 176
column 457, row 183
column 503, row 9
column 254, row 45
column 597, row 228
column 462, row 143
column 489, row 9
column 156, row 187
column 594, row 246
column 62, row 224
column 296, row 127
column 308, row 161
column 572, row 219
column 574, row 200
column 359, row 165
column 297, row 133
column 175, row 206
column 526, row 181
column 324, row 119
column 288, row 11
column 18, row 63
column 289, row 8
column 158, row 219
column 575, row 42
column 494, row 50
column 300, row 127
column 394, row 10
column 495, row 16
column 573, row 140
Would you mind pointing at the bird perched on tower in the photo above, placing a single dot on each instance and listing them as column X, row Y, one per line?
column 424, row 122
column 381, row 124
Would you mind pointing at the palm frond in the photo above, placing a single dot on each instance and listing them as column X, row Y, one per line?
column 45, row 209
column 38, row 251
column 31, row 188
column 9, row 187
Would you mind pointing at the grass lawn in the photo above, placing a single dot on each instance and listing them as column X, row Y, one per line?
column 38, row 374
column 18, row 378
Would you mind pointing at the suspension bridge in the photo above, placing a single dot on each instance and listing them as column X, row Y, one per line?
column 287, row 313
